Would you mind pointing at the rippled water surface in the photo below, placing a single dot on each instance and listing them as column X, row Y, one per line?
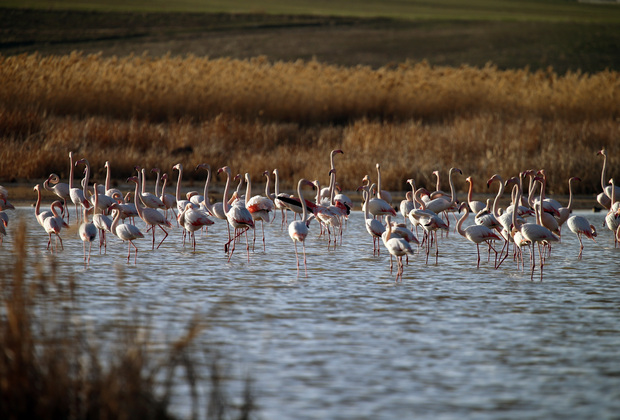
column 346, row 341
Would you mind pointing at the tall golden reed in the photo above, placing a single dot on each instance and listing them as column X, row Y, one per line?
column 255, row 115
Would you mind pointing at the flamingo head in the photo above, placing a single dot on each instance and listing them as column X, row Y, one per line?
column 81, row 161
column 266, row 174
column 204, row 166
column 133, row 179
column 494, row 178
column 468, row 179
column 224, row 169
column 156, row 170
column 602, row 152
column 575, row 178
column 332, row 171
column 164, row 176
column 178, row 167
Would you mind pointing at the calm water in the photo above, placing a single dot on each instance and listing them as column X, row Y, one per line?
column 449, row 341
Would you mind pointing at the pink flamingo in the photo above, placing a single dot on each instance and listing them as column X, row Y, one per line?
column 565, row 212
column 534, row 233
column 476, row 233
column 604, row 198
column 192, row 220
column 54, row 224
column 298, row 229
column 87, row 233
column 169, row 200
column 102, row 222
column 279, row 204
column 475, row 206
column 260, row 207
column 397, row 247
column 374, row 227
column 580, row 226
column 150, row 216
column 125, row 232
column 150, row 200
column 237, row 215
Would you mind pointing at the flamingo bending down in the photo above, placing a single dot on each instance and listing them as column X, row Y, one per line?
column 579, row 225
column 298, row 229
column 475, row 233
column 396, row 246
column 191, row 220
column 150, row 216
column 125, row 231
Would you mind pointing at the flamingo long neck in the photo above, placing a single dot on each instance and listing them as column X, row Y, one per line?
column 304, row 210
column 470, row 193
column 459, row 225
column 96, row 199
column 267, row 184
column 37, row 207
column 500, row 192
column 452, row 190
column 163, row 186
column 136, row 198
column 107, row 176
column 276, row 185
column 570, row 195
column 365, row 195
column 225, row 205
column 516, row 201
column 388, row 227
column 86, row 178
column 604, row 153
column 206, row 190
column 157, row 184
column 378, row 181
column 248, row 188
column 143, row 181
column 418, row 197
column 115, row 220
column 71, row 171
column 317, row 200
column 53, row 208
column 178, row 194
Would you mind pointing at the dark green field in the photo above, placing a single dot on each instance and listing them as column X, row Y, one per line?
column 588, row 46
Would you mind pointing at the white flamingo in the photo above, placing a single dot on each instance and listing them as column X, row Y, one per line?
column 396, row 246
column 151, row 217
column 298, row 229
column 125, row 232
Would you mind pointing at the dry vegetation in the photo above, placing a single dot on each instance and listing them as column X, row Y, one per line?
column 255, row 115
column 53, row 364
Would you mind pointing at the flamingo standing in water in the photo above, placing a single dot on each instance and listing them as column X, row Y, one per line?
column 397, row 247
column 191, row 220
column 54, row 224
column 260, row 207
column 298, row 229
column 237, row 215
column 374, row 227
column 87, row 233
column 150, row 216
column 534, row 233
column 604, row 198
column 102, row 222
column 125, row 231
column 476, row 233
column 580, row 226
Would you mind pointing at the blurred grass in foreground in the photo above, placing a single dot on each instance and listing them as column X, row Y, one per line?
column 52, row 367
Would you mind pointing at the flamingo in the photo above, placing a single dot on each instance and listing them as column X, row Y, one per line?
column 77, row 195
column 396, row 246
column 260, row 207
column 150, row 216
column 180, row 203
column 604, row 198
column 384, row 195
column 4, row 200
column 298, row 229
column 377, row 206
column 374, row 227
column 192, row 220
column 125, row 231
column 612, row 218
column 279, row 204
column 61, row 189
column 325, row 192
column 532, row 232
column 430, row 222
column 440, row 204
column 54, row 224
column 237, row 215
column 102, row 222
column 407, row 205
column 104, row 201
column 169, row 200
column 150, row 200
column 475, row 233
column 87, row 233
column 108, row 190
column 565, row 212
column 40, row 215
column 474, row 205
column 580, row 226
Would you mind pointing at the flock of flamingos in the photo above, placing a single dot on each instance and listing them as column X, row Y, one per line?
column 532, row 220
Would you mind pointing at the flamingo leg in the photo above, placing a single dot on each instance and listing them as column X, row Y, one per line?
column 162, row 241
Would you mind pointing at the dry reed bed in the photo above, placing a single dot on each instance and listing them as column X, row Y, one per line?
column 254, row 115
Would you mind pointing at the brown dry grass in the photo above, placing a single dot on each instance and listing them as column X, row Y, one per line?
column 53, row 364
column 255, row 115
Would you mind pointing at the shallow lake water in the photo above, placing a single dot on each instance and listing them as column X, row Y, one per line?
column 347, row 341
